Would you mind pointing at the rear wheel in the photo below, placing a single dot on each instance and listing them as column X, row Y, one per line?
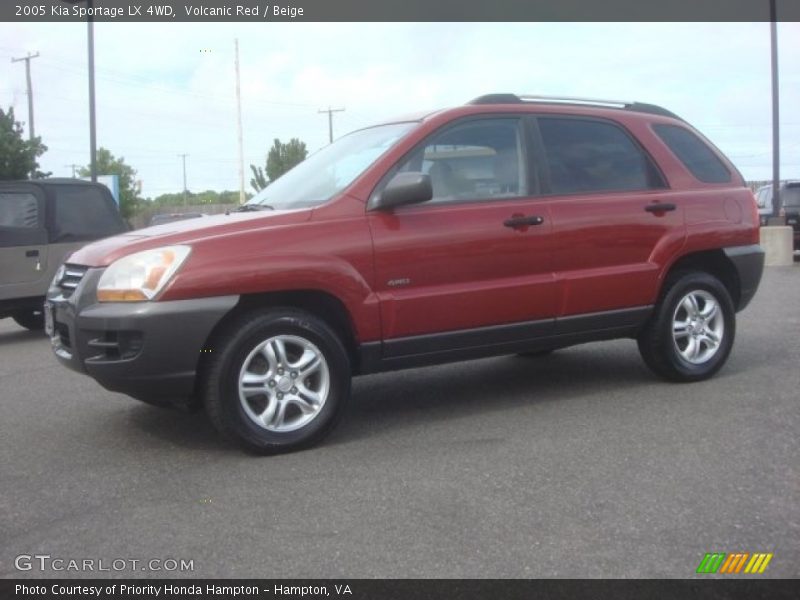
column 691, row 333
column 278, row 380
column 32, row 319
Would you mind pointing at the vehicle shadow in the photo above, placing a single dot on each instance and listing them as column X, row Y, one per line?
column 388, row 402
column 20, row 335
column 404, row 399
column 192, row 431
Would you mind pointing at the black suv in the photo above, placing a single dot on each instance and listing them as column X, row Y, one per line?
column 790, row 199
column 789, row 206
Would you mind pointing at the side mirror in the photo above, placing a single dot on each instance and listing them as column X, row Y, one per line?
column 405, row 188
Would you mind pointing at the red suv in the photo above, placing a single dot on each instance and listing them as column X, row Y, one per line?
column 513, row 224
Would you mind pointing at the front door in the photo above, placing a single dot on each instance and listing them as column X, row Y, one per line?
column 479, row 253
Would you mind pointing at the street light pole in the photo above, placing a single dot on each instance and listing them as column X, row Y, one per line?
column 92, row 116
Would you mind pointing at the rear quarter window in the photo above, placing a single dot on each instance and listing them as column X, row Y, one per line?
column 18, row 209
column 694, row 153
column 21, row 219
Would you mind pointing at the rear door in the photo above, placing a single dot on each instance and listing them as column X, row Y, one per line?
column 612, row 214
column 23, row 241
column 478, row 254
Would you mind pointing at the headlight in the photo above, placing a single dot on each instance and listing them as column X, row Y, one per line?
column 140, row 276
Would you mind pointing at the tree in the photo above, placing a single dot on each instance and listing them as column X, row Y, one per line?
column 259, row 181
column 192, row 199
column 107, row 164
column 281, row 158
column 18, row 155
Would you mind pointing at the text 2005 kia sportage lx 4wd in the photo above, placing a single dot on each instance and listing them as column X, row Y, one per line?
column 510, row 224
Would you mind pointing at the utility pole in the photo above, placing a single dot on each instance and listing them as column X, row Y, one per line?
column 776, row 150
column 239, row 125
column 185, row 191
column 330, row 112
column 92, row 115
column 73, row 169
column 27, row 60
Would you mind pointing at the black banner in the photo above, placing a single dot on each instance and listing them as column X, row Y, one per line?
column 402, row 589
column 391, row 10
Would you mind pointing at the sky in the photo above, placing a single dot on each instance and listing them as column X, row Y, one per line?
column 167, row 89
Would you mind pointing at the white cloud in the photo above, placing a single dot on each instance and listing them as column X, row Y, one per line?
column 166, row 89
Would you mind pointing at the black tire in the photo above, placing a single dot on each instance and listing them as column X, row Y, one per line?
column 664, row 353
column 237, row 344
column 30, row 319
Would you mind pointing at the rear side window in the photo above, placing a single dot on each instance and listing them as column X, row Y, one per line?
column 83, row 213
column 694, row 153
column 18, row 209
column 21, row 219
column 594, row 156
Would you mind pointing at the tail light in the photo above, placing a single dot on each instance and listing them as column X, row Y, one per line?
column 754, row 209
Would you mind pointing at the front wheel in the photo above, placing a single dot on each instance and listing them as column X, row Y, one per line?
column 278, row 380
column 691, row 333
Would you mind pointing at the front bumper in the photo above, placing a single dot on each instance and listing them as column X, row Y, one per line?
column 749, row 264
column 148, row 350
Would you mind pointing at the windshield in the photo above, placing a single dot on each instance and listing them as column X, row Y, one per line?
column 329, row 170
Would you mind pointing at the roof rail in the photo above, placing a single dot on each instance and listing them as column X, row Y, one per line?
column 532, row 98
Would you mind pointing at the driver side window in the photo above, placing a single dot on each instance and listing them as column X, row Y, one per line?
column 476, row 160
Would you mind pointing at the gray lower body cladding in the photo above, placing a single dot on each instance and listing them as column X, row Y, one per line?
column 148, row 350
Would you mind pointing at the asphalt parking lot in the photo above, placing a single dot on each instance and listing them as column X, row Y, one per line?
column 579, row 464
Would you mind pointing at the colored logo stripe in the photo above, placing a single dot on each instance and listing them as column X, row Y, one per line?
column 758, row 563
column 734, row 563
column 711, row 562
column 721, row 562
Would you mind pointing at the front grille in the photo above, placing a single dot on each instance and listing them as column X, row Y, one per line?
column 70, row 279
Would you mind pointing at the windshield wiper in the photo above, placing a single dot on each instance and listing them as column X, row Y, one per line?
column 253, row 207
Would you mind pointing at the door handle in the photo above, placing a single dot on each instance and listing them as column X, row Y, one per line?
column 520, row 221
column 31, row 253
column 658, row 207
